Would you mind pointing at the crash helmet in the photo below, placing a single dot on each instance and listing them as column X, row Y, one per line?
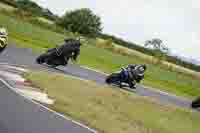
column 3, row 31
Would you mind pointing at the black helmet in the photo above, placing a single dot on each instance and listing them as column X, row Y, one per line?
column 144, row 66
column 141, row 68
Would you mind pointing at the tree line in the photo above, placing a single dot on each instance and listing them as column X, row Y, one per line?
column 85, row 22
column 32, row 7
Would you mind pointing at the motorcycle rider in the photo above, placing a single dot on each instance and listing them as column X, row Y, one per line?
column 3, row 38
column 69, row 49
column 132, row 73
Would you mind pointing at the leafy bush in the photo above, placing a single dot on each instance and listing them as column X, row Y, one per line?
column 83, row 21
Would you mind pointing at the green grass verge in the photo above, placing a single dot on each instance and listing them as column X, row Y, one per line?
column 27, row 35
column 6, row 7
column 111, row 110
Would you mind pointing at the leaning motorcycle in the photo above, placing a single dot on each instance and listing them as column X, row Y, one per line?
column 196, row 103
column 119, row 78
column 52, row 58
column 3, row 39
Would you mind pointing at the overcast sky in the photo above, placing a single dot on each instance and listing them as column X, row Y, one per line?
column 176, row 22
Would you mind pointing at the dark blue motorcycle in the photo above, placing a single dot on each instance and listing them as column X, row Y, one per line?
column 120, row 77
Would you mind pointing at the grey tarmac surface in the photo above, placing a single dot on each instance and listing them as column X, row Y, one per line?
column 20, row 115
column 25, row 57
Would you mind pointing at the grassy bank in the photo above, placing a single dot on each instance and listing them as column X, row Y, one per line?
column 37, row 38
column 110, row 110
column 6, row 7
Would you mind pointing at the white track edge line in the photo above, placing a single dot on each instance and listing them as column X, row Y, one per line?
column 59, row 114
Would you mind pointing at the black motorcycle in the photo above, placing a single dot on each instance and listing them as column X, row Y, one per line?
column 120, row 78
column 52, row 58
column 196, row 103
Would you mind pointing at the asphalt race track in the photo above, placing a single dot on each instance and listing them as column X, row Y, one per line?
column 18, row 115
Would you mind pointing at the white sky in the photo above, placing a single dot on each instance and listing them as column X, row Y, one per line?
column 176, row 22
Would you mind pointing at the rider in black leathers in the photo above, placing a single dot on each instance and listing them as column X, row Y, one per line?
column 70, row 49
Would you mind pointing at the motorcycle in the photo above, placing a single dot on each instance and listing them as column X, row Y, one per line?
column 52, row 58
column 119, row 78
column 3, row 39
column 196, row 103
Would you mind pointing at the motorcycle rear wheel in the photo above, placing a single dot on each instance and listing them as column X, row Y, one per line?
column 113, row 78
column 41, row 59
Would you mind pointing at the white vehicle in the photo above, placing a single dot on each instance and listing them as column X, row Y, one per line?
column 3, row 38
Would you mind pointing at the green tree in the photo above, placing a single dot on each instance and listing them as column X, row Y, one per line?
column 159, row 49
column 83, row 21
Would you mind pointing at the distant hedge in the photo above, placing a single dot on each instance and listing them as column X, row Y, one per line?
column 134, row 46
column 10, row 2
column 180, row 62
column 32, row 7
column 126, row 43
